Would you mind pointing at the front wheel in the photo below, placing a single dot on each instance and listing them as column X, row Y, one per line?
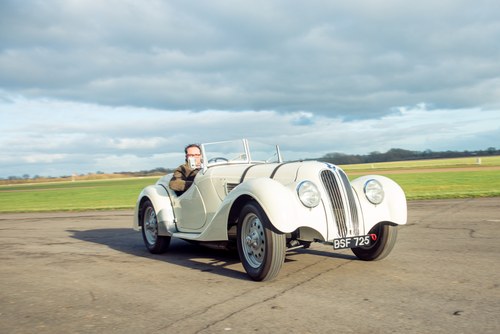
column 156, row 244
column 262, row 251
column 382, row 246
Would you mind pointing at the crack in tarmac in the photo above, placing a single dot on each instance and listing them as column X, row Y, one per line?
column 281, row 293
column 447, row 209
column 224, row 315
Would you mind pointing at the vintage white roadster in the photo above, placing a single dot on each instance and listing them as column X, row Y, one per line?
column 265, row 206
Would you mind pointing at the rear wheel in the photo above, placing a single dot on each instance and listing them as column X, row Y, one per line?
column 262, row 250
column 382, row 246
column 155, row 243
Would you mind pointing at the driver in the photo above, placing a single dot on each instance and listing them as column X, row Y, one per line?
column 184, row 174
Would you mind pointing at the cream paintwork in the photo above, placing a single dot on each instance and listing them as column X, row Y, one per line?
column 276, row 196
column 279, row 201
column 160, row 199
column 392, row 209
column 257, row 206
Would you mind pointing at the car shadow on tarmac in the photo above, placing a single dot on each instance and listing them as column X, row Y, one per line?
column 183, row 253
column 179, row 252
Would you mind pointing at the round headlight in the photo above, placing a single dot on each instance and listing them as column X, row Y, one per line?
column 308, row 194
column 374, row 191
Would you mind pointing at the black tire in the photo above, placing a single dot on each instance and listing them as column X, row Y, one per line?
column 261, row 250
column 156, row 244
column 386, row 239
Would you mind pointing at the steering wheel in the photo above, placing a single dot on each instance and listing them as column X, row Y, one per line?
column 216, row 159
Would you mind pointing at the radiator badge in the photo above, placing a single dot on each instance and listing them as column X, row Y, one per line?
column 331, row 166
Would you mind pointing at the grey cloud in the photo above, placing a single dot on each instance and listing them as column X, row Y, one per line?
column 355, row 60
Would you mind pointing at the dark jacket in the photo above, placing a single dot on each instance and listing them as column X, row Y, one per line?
column 183, row 178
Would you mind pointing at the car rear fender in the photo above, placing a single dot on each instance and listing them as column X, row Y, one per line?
column 160, row 199
column 392, row 209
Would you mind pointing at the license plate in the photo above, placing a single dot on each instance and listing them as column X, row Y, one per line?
column 353, row 242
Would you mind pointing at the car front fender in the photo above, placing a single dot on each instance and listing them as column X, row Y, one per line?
column 280, row 203
column 392, row 209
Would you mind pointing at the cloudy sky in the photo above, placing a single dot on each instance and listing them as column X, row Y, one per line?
column 123, row 85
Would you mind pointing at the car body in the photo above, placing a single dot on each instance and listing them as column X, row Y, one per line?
column 266, row 206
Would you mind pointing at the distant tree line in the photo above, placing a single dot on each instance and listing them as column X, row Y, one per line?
column 394, row 154
column 151, row 172
column 398, row 154
column 97, row 175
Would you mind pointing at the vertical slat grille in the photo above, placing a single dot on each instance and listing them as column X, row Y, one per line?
column 342, row 206
column 332, row 187
column 352, row 202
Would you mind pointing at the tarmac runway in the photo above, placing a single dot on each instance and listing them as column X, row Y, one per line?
column 89, row 272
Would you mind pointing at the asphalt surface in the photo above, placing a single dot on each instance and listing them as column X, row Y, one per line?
column 89, row 272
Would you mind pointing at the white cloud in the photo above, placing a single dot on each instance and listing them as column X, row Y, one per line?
column 43, row 158
column 85, row 84
column 33, row 139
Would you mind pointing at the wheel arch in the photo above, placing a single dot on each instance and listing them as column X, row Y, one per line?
column 275, row 200
column 139, row 212
column 160, row 199
column 238, row 205
column 387, row 233
column 236, row 208
column 393, row 209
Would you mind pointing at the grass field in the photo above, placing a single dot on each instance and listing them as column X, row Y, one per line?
column 490, row 161
column 79, row 195
column 429, row 179
column 449, row 184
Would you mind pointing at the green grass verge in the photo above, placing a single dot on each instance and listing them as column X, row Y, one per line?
column 67, row 196
column 487, row 161
column 123, row 193
column 441, row 185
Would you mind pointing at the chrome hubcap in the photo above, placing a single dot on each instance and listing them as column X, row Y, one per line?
column 253, row 240
column 150, row 226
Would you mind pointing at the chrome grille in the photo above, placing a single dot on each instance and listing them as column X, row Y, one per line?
column 342, row 201
column 352, row 202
